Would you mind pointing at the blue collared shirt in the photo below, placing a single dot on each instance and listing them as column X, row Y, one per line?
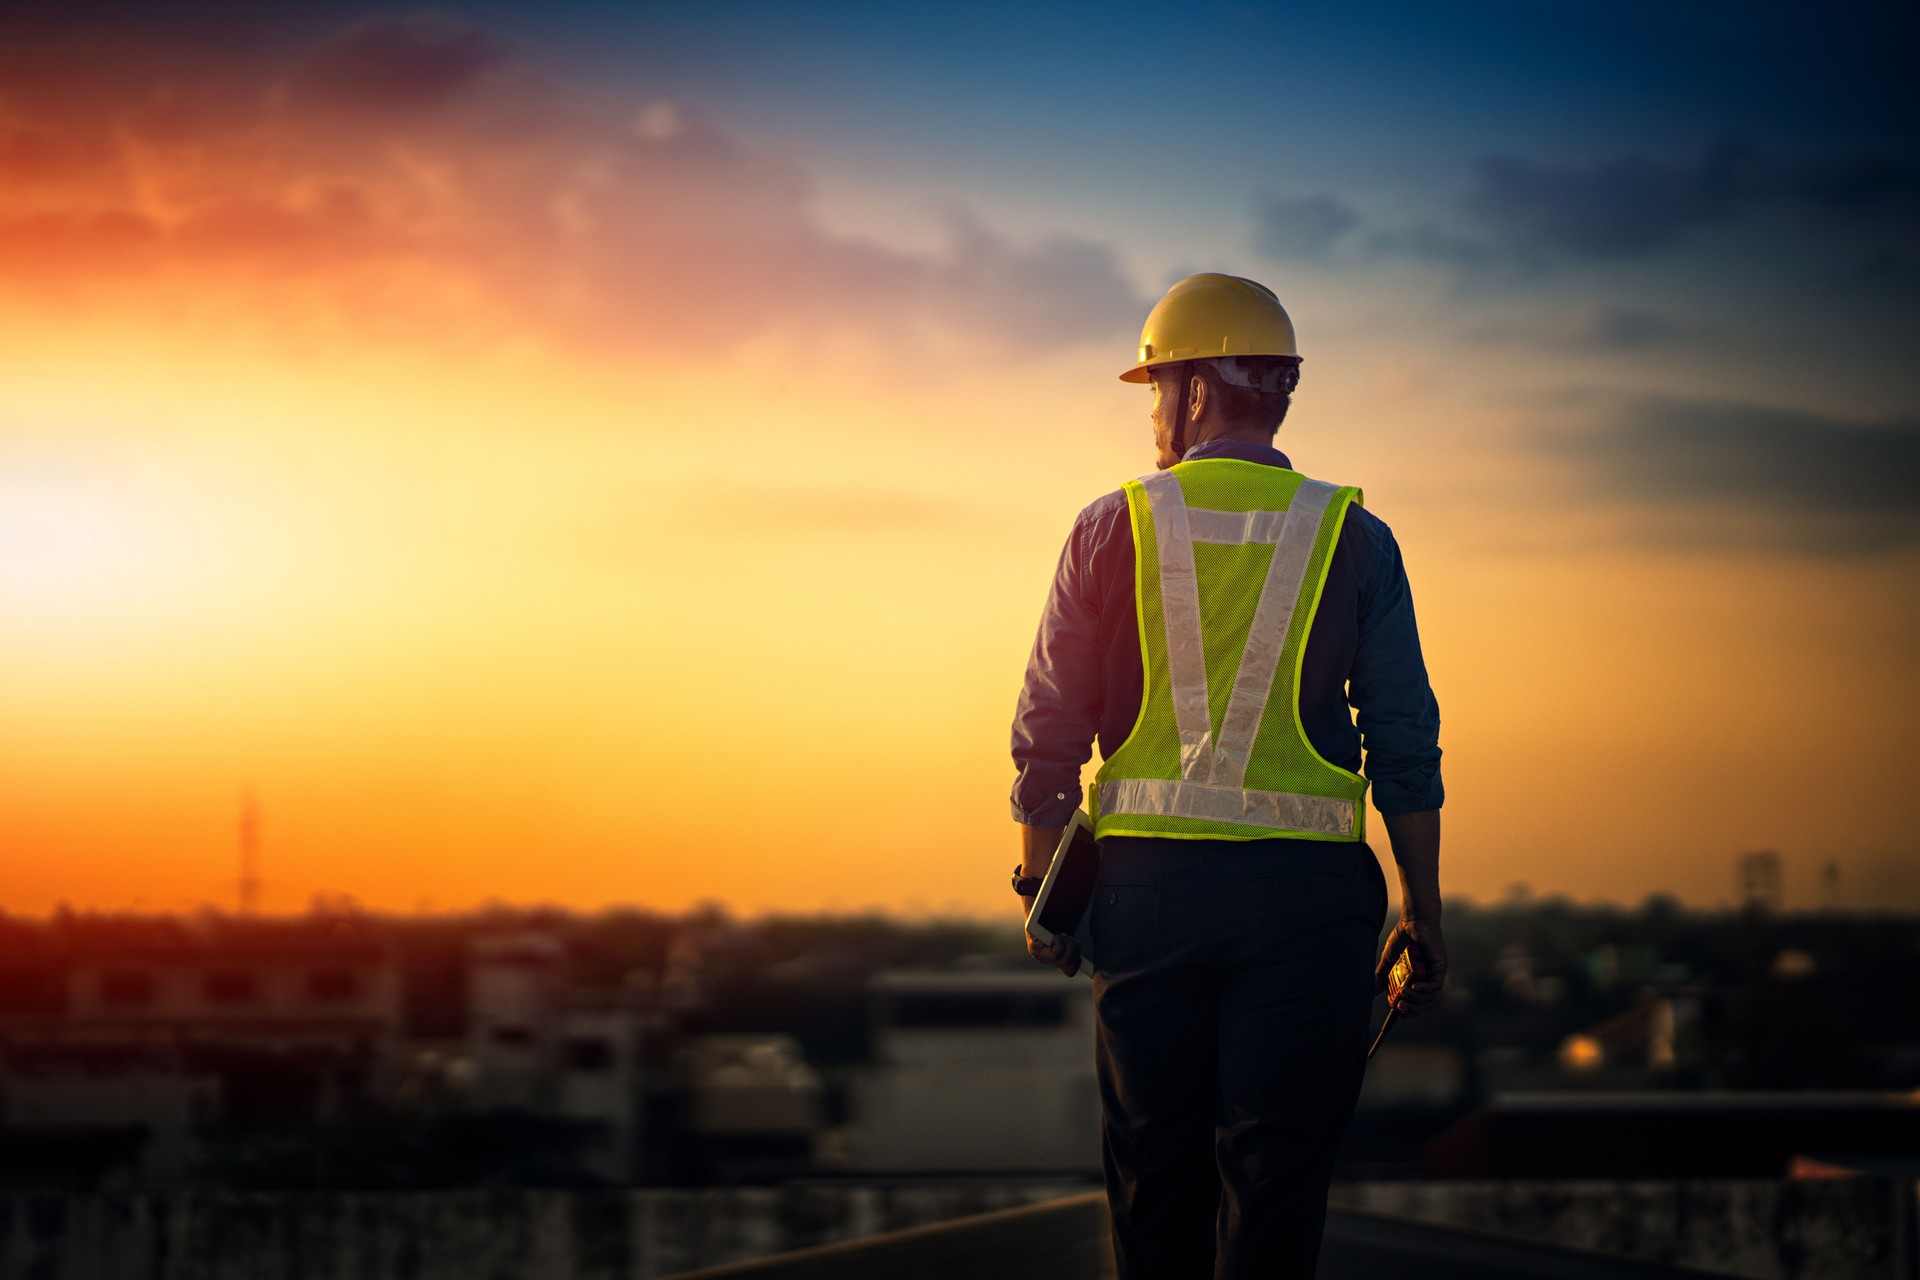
column 1085, row 678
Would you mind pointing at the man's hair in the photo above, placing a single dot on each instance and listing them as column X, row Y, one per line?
column 1254, row 392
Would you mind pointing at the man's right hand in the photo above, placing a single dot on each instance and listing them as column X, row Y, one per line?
column 1421, row 938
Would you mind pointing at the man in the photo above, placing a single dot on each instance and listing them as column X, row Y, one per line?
column 1212, row 625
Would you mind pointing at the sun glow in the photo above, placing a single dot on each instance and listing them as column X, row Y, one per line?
column 65, row 543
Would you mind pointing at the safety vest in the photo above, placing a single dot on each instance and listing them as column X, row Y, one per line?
column 1229, row 561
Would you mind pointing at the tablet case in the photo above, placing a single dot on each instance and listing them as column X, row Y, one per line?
column 1065, row 894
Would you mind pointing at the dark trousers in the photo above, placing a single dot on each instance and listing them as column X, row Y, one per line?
column 1233, row 987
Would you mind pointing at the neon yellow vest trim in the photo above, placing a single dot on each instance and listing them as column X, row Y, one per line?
column 1229, row 561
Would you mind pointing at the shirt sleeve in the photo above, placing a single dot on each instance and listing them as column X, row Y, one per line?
column 1397, row 714
column 1058, row 714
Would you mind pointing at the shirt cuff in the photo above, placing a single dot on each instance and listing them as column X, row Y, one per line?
column 1055, row 810
column 1408, row 795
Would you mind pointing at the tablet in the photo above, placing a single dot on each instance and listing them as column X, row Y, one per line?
column 1065, row 894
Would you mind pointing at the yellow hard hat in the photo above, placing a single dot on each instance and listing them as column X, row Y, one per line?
column 1211, row 315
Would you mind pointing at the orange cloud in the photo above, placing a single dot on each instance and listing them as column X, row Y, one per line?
column 420, row 149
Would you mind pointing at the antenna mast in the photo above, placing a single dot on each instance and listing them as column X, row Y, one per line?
column 249, row 853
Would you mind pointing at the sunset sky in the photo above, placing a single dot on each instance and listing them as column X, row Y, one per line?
column 592, row 454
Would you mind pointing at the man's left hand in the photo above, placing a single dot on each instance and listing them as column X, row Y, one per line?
column 1420, row 937
column 1063, row 953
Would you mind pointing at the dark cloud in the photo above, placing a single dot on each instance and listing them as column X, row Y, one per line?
column 1626, row 205
column 1638, row 204
column 402, row 63
column 1073, row 285
column 1595, row 327
column 1302, row 226
column 1854, row 184
column 1744, row 473
column 1615, row 328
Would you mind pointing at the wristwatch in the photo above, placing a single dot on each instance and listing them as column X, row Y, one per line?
column 1025, row 886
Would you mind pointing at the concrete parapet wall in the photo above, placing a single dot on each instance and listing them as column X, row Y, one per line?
column 460, row 1235
column 1821, row 1229
column 1856, row 1228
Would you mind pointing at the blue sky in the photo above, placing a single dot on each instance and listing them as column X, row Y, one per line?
column 1162, row 134
column 1337, row 91
column 1373, row 84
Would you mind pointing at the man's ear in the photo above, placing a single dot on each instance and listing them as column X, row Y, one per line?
column 1196, row 397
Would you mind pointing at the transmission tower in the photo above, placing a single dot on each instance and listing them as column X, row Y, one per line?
column 249, row 853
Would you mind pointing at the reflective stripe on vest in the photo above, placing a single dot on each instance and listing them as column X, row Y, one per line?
column 1212, row 783
column 1281, row 810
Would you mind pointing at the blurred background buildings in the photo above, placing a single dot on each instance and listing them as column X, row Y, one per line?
column 625, row 1048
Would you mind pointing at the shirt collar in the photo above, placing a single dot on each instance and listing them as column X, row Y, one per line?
column 1239, row 451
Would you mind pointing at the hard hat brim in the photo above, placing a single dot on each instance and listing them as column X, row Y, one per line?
column 1143, row 372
